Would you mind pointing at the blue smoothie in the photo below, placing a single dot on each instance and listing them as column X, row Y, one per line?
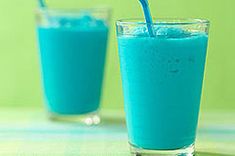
column 162, row 81
column 72, row 51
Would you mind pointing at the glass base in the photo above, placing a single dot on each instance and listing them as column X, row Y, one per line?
column 186, row 151
column 87, row 119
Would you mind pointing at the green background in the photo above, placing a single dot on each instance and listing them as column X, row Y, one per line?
column 19, row 65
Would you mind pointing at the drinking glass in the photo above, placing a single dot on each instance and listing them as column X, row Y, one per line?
column 72, row 47
column 162, row 78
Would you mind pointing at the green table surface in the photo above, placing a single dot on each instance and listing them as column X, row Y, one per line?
column 28, row 132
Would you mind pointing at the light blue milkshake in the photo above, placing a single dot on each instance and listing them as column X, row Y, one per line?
column 162, row 67
column 72, row 51
column 162, row 81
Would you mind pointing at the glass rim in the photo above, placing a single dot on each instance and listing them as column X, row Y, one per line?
column 163, row 21
column 74, row 11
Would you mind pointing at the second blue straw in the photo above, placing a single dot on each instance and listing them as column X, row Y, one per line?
column 41, row 3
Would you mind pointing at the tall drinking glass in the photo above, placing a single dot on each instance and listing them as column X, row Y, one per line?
column 162, row 80
column 72, row 52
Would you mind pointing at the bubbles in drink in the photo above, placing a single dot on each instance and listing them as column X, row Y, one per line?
column 85, row 21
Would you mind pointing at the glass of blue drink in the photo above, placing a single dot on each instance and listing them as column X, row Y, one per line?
column 162, row 78
column 72, row 47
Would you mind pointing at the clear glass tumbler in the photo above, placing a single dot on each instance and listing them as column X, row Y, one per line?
column 72, row 45
column 162, row 80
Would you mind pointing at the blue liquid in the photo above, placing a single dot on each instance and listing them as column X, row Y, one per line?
column 162, row 80
column 72, row 55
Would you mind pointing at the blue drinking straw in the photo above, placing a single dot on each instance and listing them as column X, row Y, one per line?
column 41, row 3
column 148, row 17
